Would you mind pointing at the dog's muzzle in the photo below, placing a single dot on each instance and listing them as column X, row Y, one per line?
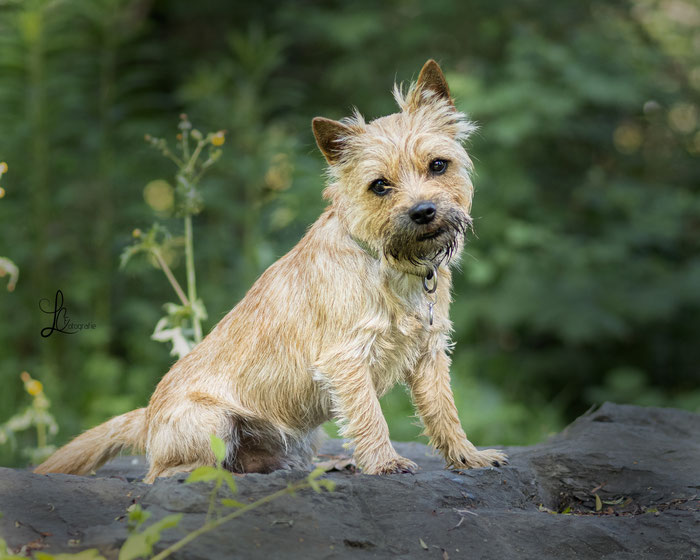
column 424, row 236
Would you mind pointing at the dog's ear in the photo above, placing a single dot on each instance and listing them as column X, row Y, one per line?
column 430, row 79
column 331, row 137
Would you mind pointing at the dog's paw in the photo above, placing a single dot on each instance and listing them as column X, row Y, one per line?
column 476, row 459
column 392, row 466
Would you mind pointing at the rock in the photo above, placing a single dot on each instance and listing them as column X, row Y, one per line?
column 642, row 463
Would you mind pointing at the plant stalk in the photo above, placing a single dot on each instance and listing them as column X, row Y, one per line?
column 191, row 285
column 212, row 501
column 217, row 522
column 40, row 435
column 189, row 168
column 169, row 275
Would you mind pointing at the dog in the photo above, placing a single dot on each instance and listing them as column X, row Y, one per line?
column 359, row 304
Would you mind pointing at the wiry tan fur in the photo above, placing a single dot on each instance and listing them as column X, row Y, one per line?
column 332, row 325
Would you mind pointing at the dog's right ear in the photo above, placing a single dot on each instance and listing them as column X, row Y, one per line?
column 331, row 137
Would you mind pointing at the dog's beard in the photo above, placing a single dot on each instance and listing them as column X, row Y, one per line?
column 405, row 243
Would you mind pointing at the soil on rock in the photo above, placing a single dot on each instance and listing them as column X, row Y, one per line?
column 622, row 482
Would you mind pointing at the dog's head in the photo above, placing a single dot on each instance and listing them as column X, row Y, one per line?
column 401, row 183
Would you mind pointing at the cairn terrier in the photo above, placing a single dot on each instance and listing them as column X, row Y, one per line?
column 359, row 304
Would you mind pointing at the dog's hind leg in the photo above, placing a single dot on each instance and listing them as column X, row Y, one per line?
column 179, row 438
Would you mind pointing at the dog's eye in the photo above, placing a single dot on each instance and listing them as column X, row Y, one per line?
column 438, row 166
column 380, row 187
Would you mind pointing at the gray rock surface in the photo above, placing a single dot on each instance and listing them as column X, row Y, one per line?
column 643, row 464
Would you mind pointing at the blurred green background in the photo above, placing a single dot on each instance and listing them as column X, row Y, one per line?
column 581, row 285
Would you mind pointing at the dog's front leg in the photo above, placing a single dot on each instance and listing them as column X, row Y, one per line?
column 357, row 410
column 432, row 396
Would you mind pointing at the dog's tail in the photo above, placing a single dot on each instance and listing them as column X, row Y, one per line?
column 90, row 450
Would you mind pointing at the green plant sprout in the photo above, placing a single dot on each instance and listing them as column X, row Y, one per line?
column 182, row 324
column 7, row 267
column 36, row 415
column 220, row 476
column 142, row 538
column 91, row 554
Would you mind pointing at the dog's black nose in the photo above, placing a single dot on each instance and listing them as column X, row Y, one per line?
column 423, row 212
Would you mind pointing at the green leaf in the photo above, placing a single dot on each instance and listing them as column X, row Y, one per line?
column 313, row 475
column 545, row 509
column 329, row 485
column 140, row 544
column 199, row 310
column 90, row 554
column 137, row 515
column 167, row 522
column 615, row 502
column 598, row 503
column 228, row 479
column 136, row 546
column 128, row 253
column 316, row 484
column 203, row 474
column 176, row 335
column 218, row 447
column 316, row 473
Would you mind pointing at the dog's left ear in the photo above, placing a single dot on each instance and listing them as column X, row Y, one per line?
column 432, row 79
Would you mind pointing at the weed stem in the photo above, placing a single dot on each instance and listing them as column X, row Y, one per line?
column 209, row 526
column 191, row 286
column 169, row 274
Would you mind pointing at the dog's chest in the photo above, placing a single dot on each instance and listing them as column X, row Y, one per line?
column 398, row 347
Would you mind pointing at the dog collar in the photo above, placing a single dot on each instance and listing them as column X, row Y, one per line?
column 430, row 291
column 430, row 280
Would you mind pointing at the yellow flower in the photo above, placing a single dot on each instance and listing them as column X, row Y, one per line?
column 2, row 192
column 136, row 232
column 3, row 167
column 34, row 387
column 218, row 138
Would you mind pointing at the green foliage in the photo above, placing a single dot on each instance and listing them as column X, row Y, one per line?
column 90, row 554
column 140, row 542
column 586, row 260
column 218, row 475
column 7, row 267
column 218, row 447
column 319, row 484
column 35, row 416
column 182, row 325
column 143, row 538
